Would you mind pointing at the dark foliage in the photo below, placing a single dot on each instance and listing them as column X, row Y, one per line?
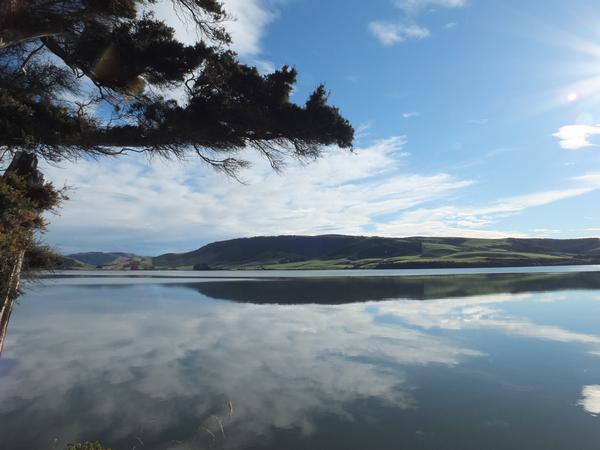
column 86, row 446
column 90, row 76
column 24, row 196
column 41, row 257
column 382, row 252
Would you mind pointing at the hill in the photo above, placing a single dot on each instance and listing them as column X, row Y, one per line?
column 106, row 261
column 97, row 258
column 359, row 252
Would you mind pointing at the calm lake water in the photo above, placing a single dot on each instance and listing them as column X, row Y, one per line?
column 279, row 361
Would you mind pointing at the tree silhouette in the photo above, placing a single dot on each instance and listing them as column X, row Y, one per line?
column 94, row 77
column 107, row 78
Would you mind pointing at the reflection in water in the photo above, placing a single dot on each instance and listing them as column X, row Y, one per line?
column 591, row 399
column 278, row 364
column 347, row 290
column 158, row 364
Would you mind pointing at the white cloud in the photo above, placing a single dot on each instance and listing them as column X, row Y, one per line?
column 248, row 28
column 393, row 33
column 521, row 202
column 179, row 205
column 411, row 114
column 412, row 5
column 405, row 29
column 475, row 221
column 152, row 207
column 250, row 19
column 442, row 221
column 363, row 130
column 574, row 137
column 589, row 179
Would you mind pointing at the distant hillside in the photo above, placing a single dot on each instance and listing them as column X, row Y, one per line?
column 108, row 261
column 67, row 263
column 97, row 258
column 358, row 252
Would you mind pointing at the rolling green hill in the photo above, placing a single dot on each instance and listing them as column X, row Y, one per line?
column 105, row 261
column 358, row 252
column 98, row 258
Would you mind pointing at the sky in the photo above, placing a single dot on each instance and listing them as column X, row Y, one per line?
column 473, row 118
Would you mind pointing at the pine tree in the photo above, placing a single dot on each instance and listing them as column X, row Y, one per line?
column 107, row 78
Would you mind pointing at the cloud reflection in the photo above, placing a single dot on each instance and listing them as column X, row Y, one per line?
column 160, row 363
column 167, row 365
column 478, row 312
column 590, row 400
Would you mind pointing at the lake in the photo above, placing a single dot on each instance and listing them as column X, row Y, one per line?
column 501, row 359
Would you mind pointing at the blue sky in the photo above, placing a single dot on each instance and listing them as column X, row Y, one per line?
column 473, row 118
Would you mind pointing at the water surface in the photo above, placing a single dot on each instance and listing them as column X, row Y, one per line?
column 160, row 361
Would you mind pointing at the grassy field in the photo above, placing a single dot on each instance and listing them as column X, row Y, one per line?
column 463, row 259
column 358, row 252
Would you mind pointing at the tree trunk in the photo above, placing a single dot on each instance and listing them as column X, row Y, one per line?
column 9, row 295
column 24, row 165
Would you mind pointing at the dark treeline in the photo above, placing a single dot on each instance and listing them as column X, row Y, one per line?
column 340, row 290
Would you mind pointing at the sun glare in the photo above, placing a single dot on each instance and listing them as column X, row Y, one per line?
column 576, row 73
